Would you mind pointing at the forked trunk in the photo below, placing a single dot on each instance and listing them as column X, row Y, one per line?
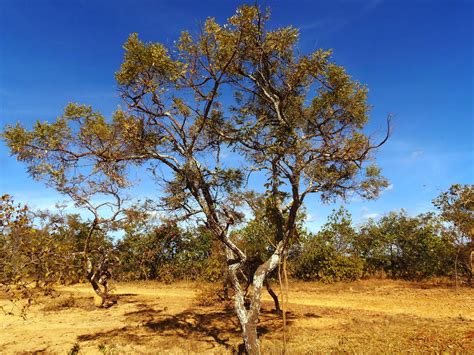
column 96, row 280
column 248, row 318
column 99, row 292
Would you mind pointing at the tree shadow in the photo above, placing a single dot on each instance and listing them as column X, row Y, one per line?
column 126, row 333
column 203, row 324
column 144, row 314
column 312, row 315
column 127, row 297
column 432, row 284
column 220, row 325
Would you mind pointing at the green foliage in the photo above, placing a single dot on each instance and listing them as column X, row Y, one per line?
column 328, row 256
column 406, row 247
column 322, row 263
column 398, row 245
column 35, row 254
column 457, row 207
column 146, row 63
column 58, row 152
column 168, row 253
column 39, row 250
column 339, row 232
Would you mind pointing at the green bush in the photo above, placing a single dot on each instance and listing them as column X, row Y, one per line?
column 321, row 261
column 406, row 247
column 327, row 256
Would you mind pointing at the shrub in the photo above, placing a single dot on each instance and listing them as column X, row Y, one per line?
column 321, row 262
column 406, row 247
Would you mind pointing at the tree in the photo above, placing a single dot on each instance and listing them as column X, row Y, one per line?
column 36, row 251
column 456, row 207
column 166, row 252
column 329, row 255
column 315, row 147
column 15, row 226
column 298, row 119
column 72, row 155
column 405, row 247
column 376, row 247
column 339, row 232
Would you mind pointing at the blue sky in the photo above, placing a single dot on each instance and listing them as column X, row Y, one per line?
column 415, row 56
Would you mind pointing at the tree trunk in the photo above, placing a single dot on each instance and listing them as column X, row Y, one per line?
column 273, row 294
column 249, row 318
column 92, row 275
column 456, row 260
column 249, row 332
column 248, row 325
column 248, row 321
column 94, row 280
column 471, row 266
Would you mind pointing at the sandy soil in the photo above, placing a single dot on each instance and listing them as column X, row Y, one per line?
column 362, row 317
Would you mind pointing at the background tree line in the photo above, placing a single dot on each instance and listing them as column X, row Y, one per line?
column 41, row 248
column 396, row 246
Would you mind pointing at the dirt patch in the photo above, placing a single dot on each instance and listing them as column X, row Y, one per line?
column 368, row 316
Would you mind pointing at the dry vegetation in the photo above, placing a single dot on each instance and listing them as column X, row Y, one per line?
column 365, row 316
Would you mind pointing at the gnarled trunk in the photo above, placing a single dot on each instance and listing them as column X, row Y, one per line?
column 97, row 279
column 248, row 318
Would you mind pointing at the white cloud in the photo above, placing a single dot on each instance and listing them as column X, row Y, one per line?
column 415, row 154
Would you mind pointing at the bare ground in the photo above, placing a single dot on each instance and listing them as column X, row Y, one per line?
column 363, row 317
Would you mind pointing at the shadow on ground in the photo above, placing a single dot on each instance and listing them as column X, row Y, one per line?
column 202, row 324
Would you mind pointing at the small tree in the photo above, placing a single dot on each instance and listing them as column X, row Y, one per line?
column 339, row 232
column 329, row 255
column 405, row 247
column 456, row 207
column 72, row 155
column 36, row 251
column 166, row 252
column 15, row 226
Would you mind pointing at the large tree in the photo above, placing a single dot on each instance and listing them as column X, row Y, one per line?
column 297, row 120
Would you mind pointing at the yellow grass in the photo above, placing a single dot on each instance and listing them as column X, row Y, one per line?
column 361, row 317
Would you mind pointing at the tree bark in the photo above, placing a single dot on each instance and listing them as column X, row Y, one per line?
column 249, row 318
column 94, row 281
column 471, row 266
column 252, row 344
column 456, row 260
column 273, row 294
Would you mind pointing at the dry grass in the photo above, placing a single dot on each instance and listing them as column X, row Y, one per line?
column 361, row 317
